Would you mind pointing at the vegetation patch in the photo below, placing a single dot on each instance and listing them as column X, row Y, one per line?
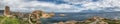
column 8, row 20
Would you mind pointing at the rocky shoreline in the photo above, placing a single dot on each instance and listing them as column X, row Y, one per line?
column 94, row 20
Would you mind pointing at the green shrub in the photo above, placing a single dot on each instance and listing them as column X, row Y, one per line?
column 8, row 20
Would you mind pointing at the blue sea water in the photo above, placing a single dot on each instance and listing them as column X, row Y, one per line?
column 82, row 16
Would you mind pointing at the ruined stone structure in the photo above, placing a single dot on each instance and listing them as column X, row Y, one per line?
column 7, row 11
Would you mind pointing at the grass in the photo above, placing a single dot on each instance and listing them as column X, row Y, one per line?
column 8, row 20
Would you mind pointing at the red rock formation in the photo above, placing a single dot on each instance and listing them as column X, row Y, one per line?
column 37, row 13
column 35, row 16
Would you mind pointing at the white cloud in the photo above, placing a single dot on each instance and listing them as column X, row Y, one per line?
column 30, row 5
column 99, row 5
column 21, row 5
column 1, row 5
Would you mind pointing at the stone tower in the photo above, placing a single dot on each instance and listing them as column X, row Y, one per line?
column 7, row 11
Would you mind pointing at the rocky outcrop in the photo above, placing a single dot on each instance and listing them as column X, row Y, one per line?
column 93, row 20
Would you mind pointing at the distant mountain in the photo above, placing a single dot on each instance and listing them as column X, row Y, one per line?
column 1, row 12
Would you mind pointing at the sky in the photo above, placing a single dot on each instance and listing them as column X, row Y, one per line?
column 62, row 5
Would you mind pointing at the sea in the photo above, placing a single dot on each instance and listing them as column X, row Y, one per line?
column 82, row 16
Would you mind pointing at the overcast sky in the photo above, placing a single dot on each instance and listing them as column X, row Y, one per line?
column 62, row 5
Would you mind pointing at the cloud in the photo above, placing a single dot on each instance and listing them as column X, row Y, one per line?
column 21, row 5
column 68, row 6
column 1, row 5
column 98, row 5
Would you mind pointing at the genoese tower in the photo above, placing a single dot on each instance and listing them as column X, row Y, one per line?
column 7, row 11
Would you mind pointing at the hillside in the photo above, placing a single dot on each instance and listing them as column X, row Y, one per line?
column 8, row 20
